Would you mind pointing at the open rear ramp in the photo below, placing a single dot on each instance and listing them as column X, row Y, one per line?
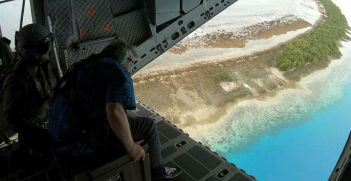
column 198, row 162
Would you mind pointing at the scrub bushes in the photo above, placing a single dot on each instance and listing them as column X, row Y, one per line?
column 317, row 44
column 223, row 77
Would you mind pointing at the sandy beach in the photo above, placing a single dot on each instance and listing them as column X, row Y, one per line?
column 236, row 32
column 187, row 93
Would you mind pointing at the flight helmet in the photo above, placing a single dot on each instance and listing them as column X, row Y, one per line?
column 32, row 41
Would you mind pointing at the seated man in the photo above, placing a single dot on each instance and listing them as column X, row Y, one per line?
column 103, row 91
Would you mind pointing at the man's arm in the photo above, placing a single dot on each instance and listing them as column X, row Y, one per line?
column 14, row 104
column 118, row 121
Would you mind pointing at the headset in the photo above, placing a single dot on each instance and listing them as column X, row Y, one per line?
column 32, row 41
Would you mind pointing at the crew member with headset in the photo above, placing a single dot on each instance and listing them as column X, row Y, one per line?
column 26, row 91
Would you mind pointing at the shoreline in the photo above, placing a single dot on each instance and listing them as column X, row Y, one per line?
column 239, row 38
column 207, row 105
column 198, row 53
column 191, row 102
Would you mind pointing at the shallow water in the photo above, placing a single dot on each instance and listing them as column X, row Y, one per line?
column 297, row 135
column 318, row 127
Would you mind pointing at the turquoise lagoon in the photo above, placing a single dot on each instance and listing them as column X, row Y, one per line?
column 307, row 143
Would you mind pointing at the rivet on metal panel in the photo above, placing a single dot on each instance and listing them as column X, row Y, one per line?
column 183, row 30
column 65, row 52
column 159, row 47
column 180, row 22
column 181, row 144
column 168, row 40
column 208, row 14
column 222, row 173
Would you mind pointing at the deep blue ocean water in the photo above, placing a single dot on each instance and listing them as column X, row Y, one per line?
column 307, row 151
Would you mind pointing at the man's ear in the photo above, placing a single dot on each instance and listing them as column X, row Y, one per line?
column 121, row 55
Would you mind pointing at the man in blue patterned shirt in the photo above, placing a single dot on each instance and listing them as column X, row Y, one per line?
column 105, row 91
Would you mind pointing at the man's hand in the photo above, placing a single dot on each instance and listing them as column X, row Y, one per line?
column 118, row 121
column 137, row 152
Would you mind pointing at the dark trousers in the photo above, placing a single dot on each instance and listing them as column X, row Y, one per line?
column 35, row 139
column 142, row 128
column 145, row 128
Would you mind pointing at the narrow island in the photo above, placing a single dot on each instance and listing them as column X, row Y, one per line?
column 202, row 93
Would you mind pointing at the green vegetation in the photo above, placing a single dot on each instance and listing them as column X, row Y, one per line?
column 317, row 44
column 223, row 77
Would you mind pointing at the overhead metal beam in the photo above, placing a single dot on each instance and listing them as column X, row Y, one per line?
column 0, row 32
column 22, row 13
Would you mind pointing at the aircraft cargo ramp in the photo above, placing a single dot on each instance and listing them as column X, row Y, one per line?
column 197, row 161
